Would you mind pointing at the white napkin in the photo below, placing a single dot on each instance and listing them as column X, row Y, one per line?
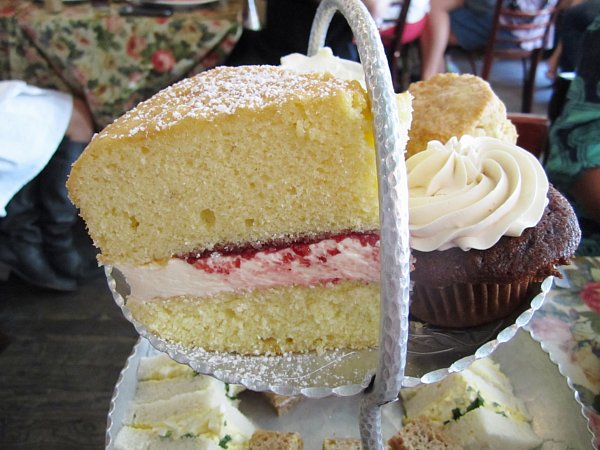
column 33, row 122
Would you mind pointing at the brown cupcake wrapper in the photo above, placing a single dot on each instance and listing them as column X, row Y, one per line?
column 469, row 305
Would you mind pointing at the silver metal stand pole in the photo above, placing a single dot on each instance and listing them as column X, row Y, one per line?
column 393, row 211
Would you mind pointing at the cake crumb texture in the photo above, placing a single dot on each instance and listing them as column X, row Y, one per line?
column 268, row 321
column 230, row 156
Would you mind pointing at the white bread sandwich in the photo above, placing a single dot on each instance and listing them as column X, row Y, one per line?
column 423, row 434
column 276, row 440
column 181, row 409
column 476, row 408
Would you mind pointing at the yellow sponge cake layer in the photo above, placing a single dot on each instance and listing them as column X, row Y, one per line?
column 263, row 321
column 230, row 156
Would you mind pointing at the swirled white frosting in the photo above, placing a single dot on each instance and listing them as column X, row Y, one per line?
column 471, row 192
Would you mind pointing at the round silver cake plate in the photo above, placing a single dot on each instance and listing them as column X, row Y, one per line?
column 393, row 211
column 432, row 353
column 336, row 372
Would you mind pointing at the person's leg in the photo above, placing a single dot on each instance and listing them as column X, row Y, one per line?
column 436, row 36
column 81, row 125
column 58, row 215
column 573, row 24
column 553, row 60
column 575, row 21
column 469, row 28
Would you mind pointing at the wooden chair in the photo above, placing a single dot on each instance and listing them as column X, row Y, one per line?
column 392, row 44
column 533, row 131
column 531, row 30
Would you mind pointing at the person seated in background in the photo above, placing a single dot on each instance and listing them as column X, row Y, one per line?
column 463, row 23
column 573, row 20
column 42, row 132
column 574, row 159
column 287, row 30
column 466, row 23
column 415, row 20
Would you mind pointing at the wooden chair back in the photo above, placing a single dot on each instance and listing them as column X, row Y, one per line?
column 532, row 133
column 392, row 44
column 530, row 30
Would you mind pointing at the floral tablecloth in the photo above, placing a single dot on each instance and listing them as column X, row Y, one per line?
column 110, row 60
column 568, row 326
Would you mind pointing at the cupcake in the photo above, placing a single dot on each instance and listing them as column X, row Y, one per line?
column 486, row 228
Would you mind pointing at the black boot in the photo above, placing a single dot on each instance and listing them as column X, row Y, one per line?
column 59, row 215
column 21, row 249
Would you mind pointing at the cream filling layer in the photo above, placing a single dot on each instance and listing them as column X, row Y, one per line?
column 326, row 261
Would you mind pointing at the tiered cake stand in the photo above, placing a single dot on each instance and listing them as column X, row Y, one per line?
column 409, row 353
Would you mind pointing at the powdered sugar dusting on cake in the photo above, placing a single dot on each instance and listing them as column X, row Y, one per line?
column 223, row 91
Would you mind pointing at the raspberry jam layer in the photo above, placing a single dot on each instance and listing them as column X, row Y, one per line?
column 343, row 257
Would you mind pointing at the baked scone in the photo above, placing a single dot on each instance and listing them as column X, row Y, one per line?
column 241, row 205
column 450, row 105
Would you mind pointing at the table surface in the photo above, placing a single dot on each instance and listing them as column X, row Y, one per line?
column 568, row 327
column 65, row 352
column 61, row 358
column 110, row 60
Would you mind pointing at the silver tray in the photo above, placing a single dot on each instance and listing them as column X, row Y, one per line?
column 432, row 354
column 566, row 328
column 557, row 416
